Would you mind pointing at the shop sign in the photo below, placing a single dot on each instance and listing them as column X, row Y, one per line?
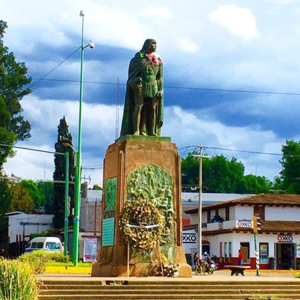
column 285, row 238
column 189, row 238
column 244, row 224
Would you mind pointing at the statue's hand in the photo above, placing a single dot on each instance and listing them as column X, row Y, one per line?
column 136, row 83
column 159, row 95
column 137, row 80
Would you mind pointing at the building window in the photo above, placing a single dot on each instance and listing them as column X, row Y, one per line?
column 227, row 218
column 245, row 247
column 221, row 250
column 225, row 250
column 264, row 253
column 230, row 249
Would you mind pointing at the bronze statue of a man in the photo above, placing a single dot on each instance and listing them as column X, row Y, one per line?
column 143, row 109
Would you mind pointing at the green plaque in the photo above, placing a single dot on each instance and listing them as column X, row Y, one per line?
column 108, row 232
column 110, row 194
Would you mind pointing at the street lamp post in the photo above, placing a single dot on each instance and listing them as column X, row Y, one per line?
column 78, row 156
column 66, row 221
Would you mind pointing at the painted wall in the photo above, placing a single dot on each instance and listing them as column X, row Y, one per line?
column 243, row 212
column 282, row 213
column 222, row 213
column 15, row 227
column 194, row 218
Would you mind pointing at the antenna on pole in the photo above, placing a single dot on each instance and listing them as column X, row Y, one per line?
column 117, row 107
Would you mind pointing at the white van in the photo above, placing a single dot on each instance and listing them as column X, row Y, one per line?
column 44, row 243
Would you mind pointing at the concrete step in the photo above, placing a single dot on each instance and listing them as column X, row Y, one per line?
column 160, row 291
column 66, row 286
column 154, row 289
column 168, row 296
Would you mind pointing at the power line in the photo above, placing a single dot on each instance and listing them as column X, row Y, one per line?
column 166, row 87
column 43, row 78
column 243, row 151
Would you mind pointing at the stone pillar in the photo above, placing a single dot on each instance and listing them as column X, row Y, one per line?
column 125, row 165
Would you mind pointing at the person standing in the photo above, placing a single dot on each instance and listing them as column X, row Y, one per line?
column 240, row 257
column 196, row 259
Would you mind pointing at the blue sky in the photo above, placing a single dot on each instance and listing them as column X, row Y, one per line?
column 227, row 45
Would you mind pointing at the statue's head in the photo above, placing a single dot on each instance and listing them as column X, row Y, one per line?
column 149, row 46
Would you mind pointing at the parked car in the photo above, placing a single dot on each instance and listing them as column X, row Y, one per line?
column 44, row 243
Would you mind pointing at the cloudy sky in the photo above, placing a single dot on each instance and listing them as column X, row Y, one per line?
column 221, row 60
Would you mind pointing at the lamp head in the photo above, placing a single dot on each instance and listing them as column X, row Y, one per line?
column 91, row 44
column 81, row 14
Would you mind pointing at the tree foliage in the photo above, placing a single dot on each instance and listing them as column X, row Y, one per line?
column 35, row 192
column 48, row 189
column 222, row 175
column 59, row 174
column 20, row 199
column 13, row 82
column 289, row 179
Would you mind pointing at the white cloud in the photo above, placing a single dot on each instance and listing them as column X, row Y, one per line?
column 187, row 46
column 195, row 130
column 99, row 132
column 160, row 13
column 239, row 21
column 103, row 24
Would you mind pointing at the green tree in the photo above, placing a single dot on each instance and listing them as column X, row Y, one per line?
column 36, row 193
column 96, row 187
column 13, row 82
column 290, row 174
column 222, row 175
column 47, row 187
column 256, row 184
column 20, row 199
column 59, row 174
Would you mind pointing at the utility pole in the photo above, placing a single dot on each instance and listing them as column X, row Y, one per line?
column 200, row 156
column 256, row 229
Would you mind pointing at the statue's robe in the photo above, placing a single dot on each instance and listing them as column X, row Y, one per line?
column 136, row 66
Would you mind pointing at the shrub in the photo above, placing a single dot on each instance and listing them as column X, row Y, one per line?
column 39, row 259
column 296, row 274
column 17, row 281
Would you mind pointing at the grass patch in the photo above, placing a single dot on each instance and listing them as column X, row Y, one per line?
column 68, row 264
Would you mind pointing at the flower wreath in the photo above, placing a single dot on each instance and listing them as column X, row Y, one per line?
column 142, row 225
column 153, row 57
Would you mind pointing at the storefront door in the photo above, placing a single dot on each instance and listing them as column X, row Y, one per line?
column 285, row 253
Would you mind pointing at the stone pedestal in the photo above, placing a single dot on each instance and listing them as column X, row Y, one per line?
column 126, row 164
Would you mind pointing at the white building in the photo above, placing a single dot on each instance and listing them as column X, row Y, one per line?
column 191, row 200
column 21, row 226
column 227, row 227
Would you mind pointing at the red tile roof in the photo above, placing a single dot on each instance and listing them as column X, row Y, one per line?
column 262, row 199
column 266, row 227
